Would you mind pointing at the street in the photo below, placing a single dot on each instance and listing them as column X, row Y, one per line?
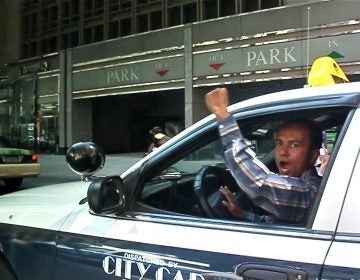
column 54, row 170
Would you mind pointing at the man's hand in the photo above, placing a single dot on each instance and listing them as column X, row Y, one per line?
column 231, row 204
column 217, row 101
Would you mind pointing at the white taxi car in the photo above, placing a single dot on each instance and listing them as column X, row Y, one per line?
column 152, row 222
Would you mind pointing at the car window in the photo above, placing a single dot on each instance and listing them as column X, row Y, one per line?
column 172, row 189
column 4, row 143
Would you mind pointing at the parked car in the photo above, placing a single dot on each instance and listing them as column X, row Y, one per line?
column 152, row 222
column 16, row 163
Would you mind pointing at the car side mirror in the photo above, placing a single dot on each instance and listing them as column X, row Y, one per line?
column 106, row 195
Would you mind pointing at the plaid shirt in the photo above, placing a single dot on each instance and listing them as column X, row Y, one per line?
column 287, row 199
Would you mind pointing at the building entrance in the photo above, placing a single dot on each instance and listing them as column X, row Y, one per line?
column 121, row 123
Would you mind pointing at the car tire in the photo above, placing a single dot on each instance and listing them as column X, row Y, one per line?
column 13, row 182
column 5, row 272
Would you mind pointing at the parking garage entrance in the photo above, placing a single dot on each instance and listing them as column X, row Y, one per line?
column 121, row 123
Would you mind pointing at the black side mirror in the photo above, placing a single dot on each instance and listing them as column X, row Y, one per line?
column 106, row 195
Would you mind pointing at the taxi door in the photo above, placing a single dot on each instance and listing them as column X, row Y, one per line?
column 146, row 246
column 343, row 261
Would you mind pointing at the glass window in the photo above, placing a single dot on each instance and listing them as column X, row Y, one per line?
column 98, row 33
column 227, row 7
column 99, row 7
column 172, row 189
column 113, row 29
column 266, row 4
column 74, row 39
column 142, row 23
column 65, row 41
column 155, row 20
column 88, row 8
column 125, row 27
column 250, row 5
column 52, row 44
column 190, row 13
column 75, row 7
column 65, row 9
column 174, row 16
column 210, row 9
column 125, row 4
column 87, row 35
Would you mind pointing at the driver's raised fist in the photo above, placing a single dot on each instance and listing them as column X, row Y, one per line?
column 217, row 101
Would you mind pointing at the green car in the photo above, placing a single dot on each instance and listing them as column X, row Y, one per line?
column 16, row 163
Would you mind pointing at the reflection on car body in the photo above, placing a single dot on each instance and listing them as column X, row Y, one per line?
column 150, row 223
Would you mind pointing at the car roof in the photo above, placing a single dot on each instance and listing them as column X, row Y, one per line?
column 309, row 93
column 292, row 96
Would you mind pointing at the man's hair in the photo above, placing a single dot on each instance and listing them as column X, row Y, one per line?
column 315, row 131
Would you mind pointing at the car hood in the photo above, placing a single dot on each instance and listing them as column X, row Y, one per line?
column 42, row 207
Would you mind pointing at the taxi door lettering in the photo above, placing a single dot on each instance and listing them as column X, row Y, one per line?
column 192, row 276
column 106, row 265
column 142, row 269
column 115, row 266
column 196, row 276
column 159, row 275
column 117, row 263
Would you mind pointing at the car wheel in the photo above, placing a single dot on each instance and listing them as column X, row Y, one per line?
column 13, row 182
column 5, row 272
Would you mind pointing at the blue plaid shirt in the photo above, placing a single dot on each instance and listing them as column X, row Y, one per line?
column 287, row 199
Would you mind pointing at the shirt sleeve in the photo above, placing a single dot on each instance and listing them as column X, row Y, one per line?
column 255, row 218
column 286, row 198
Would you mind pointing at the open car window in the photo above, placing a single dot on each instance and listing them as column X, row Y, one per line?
column 172, row 189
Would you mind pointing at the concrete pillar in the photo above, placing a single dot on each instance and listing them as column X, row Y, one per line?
column 69, row 101
column 195, row 108
column 65, row 101
column 62, row 101
column 188, row 75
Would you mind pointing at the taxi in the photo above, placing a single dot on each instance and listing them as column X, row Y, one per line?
column 16, row 163
column 163, row 217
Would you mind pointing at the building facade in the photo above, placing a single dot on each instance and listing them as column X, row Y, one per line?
column 153, row 66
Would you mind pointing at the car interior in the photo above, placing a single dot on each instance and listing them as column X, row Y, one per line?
column 189, row 183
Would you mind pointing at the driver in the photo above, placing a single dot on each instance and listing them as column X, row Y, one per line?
column 286, row 196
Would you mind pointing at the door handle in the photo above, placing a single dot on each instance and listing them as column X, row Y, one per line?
column 250, row 271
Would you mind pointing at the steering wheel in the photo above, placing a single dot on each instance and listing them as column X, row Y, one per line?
column 206, row 186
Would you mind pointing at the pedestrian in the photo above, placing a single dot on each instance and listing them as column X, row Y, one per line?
column 158, row 137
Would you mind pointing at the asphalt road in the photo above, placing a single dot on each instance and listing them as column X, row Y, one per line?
column 54, row 170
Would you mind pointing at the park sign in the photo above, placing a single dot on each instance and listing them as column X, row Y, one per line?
column 214, row 61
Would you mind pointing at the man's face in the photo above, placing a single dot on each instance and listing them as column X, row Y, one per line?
column 293, row 153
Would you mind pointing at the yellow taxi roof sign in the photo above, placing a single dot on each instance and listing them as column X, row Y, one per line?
column 325, row 71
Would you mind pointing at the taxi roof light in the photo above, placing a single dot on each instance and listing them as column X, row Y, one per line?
column 326, row 71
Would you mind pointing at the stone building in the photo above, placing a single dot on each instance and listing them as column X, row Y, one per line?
column 109, row 70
